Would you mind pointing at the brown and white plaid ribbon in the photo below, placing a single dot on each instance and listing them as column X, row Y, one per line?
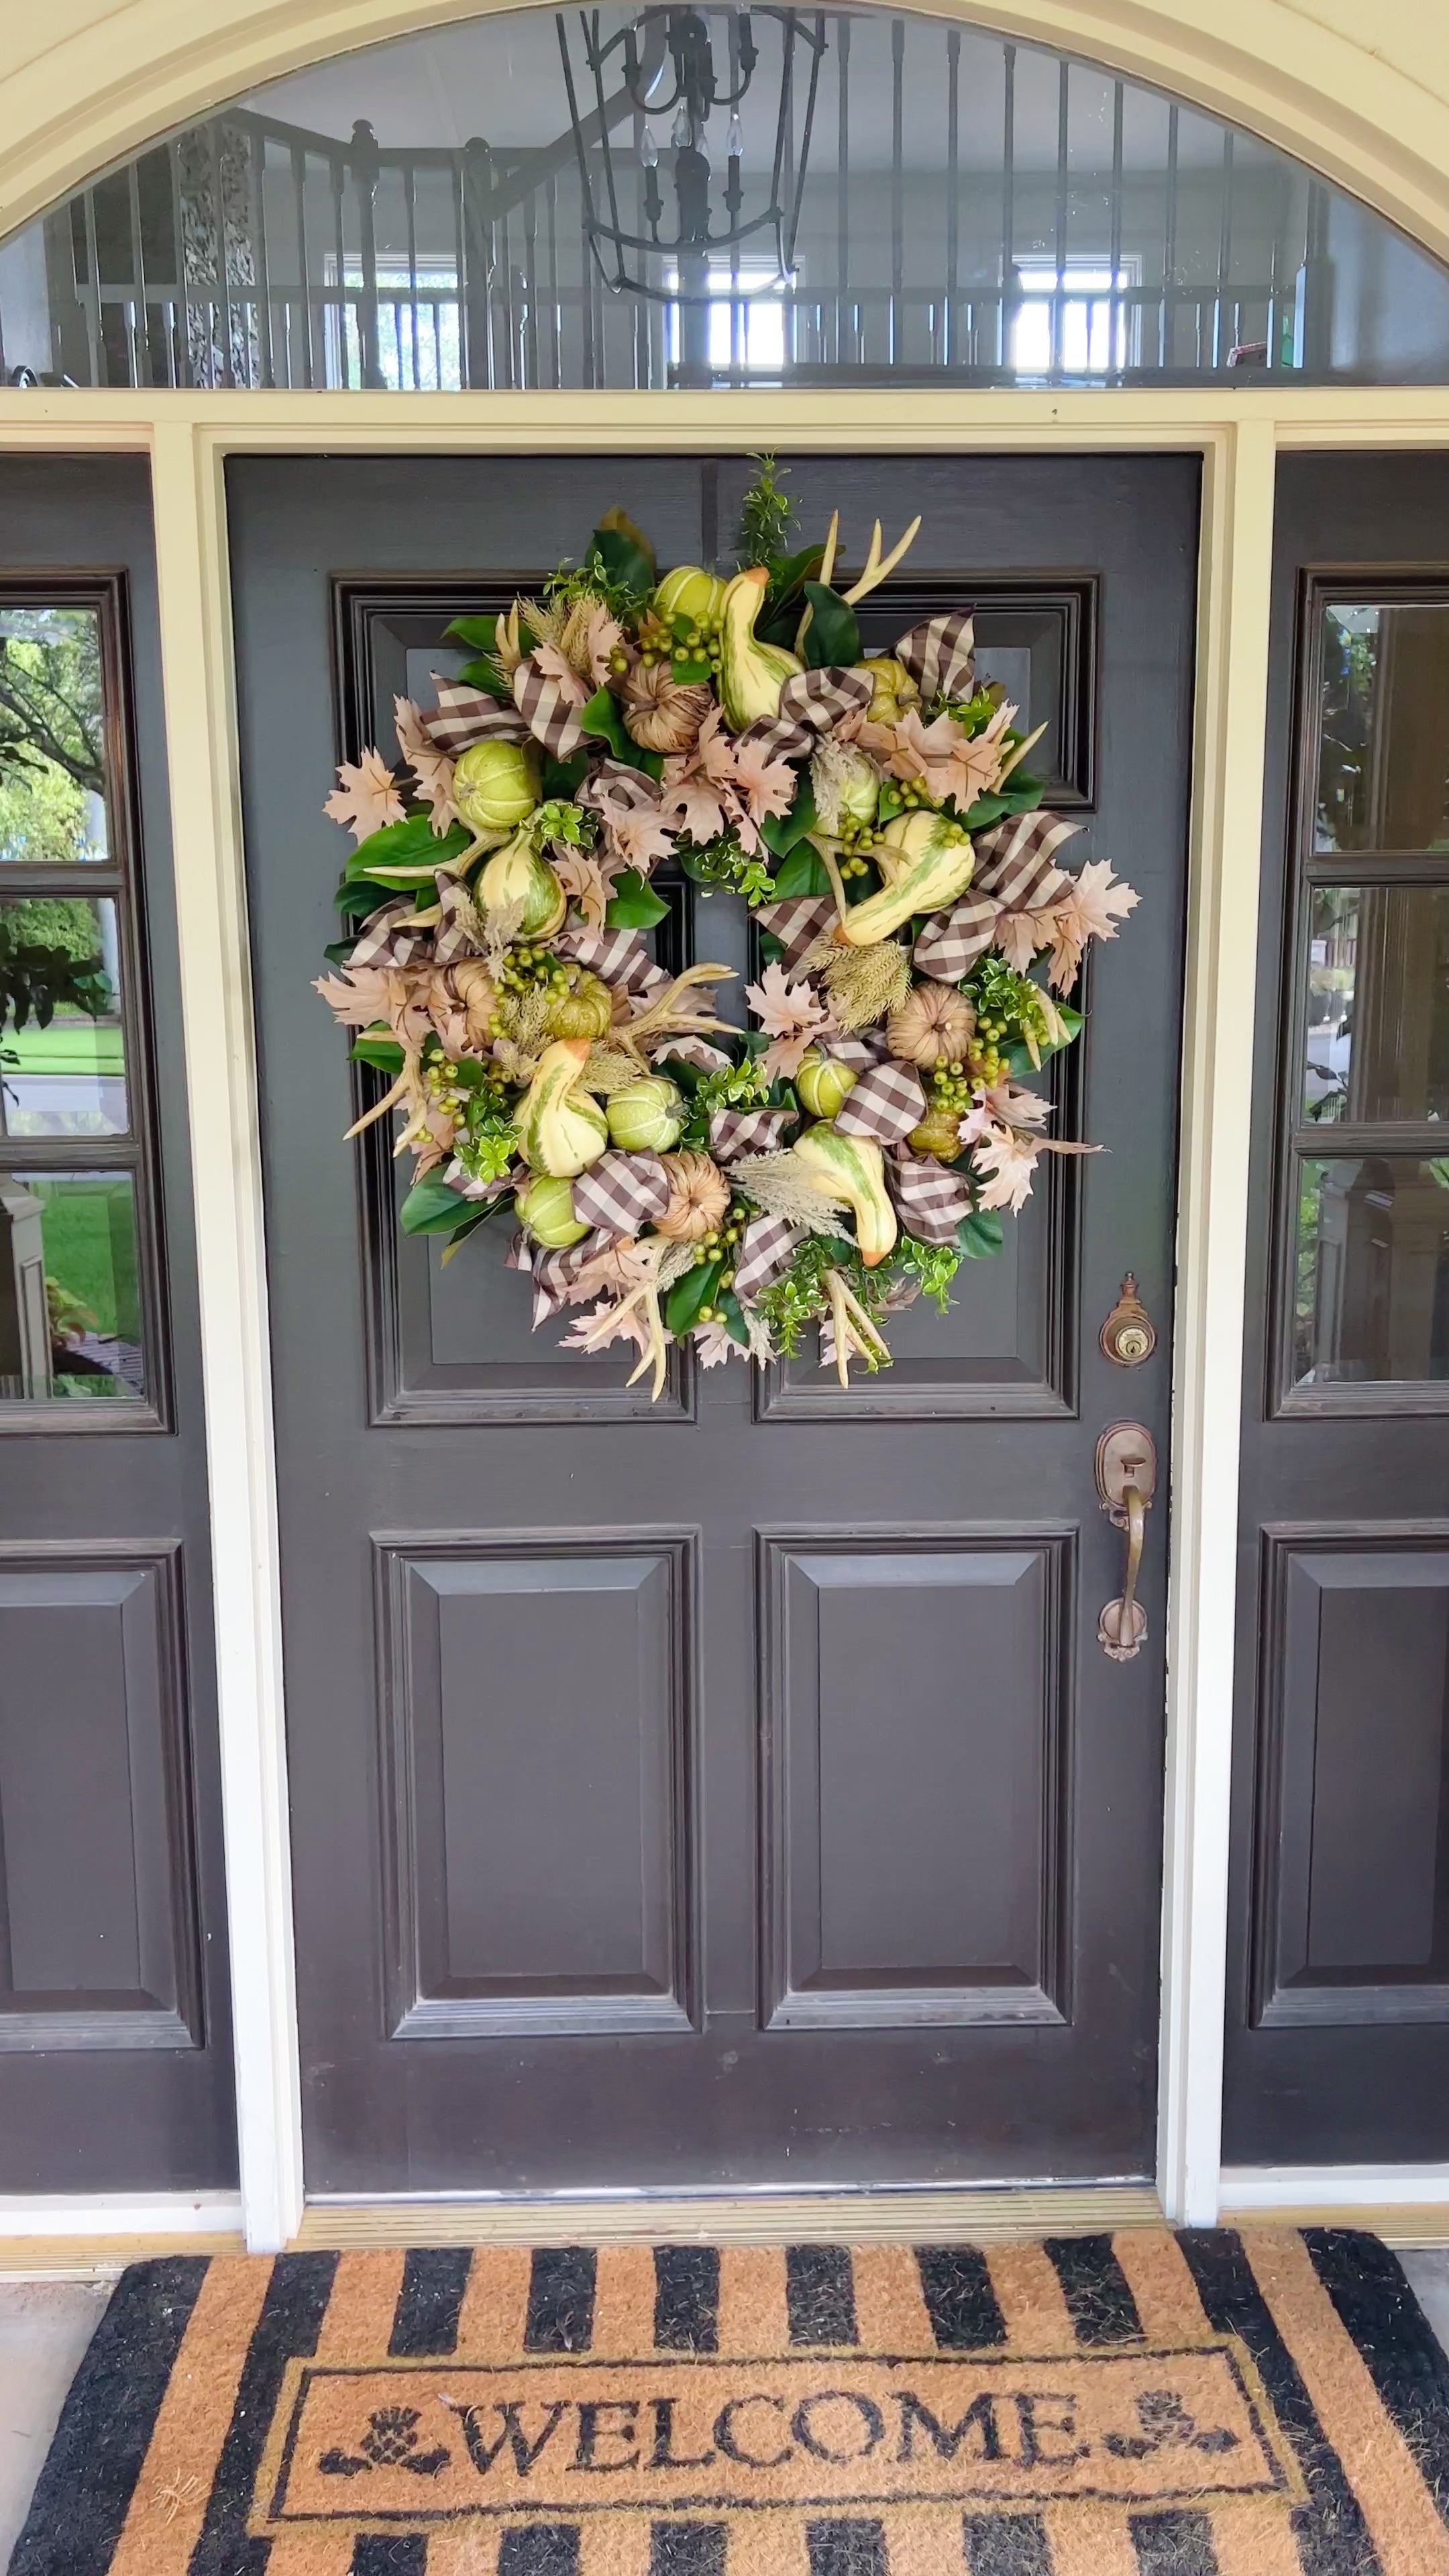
column 733, row 1132
column 939, row 655
column 621, row 1192
column 617, row 957
column 765, row 1249
column 382, row 942
column 796, row 923
column 860, row 1052
column 549, row 713
column 886, row 1104
column 615, row 782
column 457, row 934
column 1015, row 871
column 464, row 716
column 811, row 703
column 931, row 1198
column 483, row 1193
column 554, row 1273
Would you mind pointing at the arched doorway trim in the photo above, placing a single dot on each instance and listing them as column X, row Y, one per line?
column 1352, row 109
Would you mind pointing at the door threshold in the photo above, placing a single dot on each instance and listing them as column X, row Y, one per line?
column 924, row 2215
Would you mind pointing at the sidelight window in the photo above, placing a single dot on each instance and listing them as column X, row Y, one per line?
column 76, row 1258
column 1366, row 1181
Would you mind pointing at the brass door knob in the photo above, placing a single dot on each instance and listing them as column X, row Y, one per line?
column 1126, row 1481
column 1129, row 1335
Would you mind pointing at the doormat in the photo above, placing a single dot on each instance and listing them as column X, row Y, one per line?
column 1206, row 2404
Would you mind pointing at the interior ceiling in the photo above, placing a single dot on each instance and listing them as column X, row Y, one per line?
column 500, row 77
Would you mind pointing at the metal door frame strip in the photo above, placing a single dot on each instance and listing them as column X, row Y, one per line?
column 188, row 437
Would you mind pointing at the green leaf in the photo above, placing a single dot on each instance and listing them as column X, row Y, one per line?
column 362, row 897
column 478, row 1216
column 601, row 717
column 780, row 832
column 685, row 1298
column 1021, row 793
column 617, row 522
column 980, row 1234
column 789, row 573
column 733, row 1313
column 480, row 632
column 431, row 1207
column 832, row 637
column 480, row 673
column 411, row 843
column 1018, row 1058
column 771, row 948
column 803, row 872
column 385, row 1053
column 633, row 905
column 626, row 558
column 687, row 672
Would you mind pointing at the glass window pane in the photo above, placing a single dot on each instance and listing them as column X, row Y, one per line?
column 70, row 1314
column 52, row 736
column 1371, row 1284
column 1376, row 1041
column 1383, row 754
column 62, row 1045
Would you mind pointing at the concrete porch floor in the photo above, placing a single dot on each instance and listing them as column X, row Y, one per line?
column 46, row 2325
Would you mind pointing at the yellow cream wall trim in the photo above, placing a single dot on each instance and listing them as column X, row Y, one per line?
column 1360, row 93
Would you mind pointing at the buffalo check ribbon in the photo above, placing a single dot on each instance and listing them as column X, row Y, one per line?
column 940, row 655
column 617, row 957
column 464, row 716
column 459, row 933
column 886, row 1103
column 1015, row 871
column 382, row 941
column 546, row 708
column 765, row 1249
column 811, row 703
column 797, row 923
column 860, row 1051
column 617, row 783
column 733, row 1132
column 483, row 1193
column 554, row 1273
column 931, row 1198
column 621, row 1192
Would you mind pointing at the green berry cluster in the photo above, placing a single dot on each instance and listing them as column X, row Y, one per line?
column 524, row 967
column 951, row 1086
column 721, row 1243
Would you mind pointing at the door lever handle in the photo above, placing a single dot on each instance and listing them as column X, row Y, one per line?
column 1126, row 1482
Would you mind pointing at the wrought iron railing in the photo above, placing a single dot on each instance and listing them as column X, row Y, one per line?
column 251, row 252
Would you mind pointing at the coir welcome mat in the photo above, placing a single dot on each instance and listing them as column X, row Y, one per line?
column 1270, row 2404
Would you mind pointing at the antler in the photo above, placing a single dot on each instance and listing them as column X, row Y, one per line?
column 876, row 569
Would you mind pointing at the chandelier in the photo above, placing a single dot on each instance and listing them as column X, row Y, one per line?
column 664, row 64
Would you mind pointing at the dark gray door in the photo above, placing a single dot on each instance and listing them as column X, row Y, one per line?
column 1338, row 2030
column 115, row 2044
column 729, row 1792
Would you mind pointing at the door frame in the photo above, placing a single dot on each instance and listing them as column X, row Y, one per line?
column 1237, row 436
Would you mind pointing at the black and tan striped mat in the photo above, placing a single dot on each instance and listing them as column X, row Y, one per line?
column 1270, row 2404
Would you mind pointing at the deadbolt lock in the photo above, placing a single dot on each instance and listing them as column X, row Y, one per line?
column 1129, row 1335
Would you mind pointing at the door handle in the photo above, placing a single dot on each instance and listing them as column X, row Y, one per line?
column 1126, row 1469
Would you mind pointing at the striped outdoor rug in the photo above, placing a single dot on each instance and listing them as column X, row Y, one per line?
column 1210, row 2404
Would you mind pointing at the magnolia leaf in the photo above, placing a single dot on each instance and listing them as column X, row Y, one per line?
column 780, row 832
column 601, row 716
column 480, row 632
column 734, row 1317
column 616, row 522
column 633, row 905
column 385, row 1053
column 832, row 638
column 682, row 1305
column 803, row 872
column 480, row 673
column 433, row 1207
column 627, row 559
column 409, row 843
column 980, row 1234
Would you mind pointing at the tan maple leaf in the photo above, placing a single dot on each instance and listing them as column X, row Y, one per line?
column 360, row 995
column 586, row 1335
column 1019, row 935
column 697, row 807
column 615, row 1268
column 367, row 796
column 637, row 834
column 1008, row 1158
column 714, row 1344
column 767, row 786
column 1091, row 908
column 586, row 880
column 552, row 660
column 792, row 1016
column 431, row 768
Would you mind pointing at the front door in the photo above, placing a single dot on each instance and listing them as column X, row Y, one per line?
column 732, row 1792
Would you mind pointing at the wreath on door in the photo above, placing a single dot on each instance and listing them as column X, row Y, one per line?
column 675, row 1178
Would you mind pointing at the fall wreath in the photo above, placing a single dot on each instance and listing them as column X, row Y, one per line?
column 674, row 1177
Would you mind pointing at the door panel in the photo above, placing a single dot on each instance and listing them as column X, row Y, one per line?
column 1338, row 2032
column 115, row 2044
column 738, row 1786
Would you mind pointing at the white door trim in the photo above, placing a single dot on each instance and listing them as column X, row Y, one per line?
column 188, row 437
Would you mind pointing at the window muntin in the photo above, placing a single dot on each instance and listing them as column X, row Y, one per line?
column 79, row 1256
column 417, row 215
column 1363, row 1222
